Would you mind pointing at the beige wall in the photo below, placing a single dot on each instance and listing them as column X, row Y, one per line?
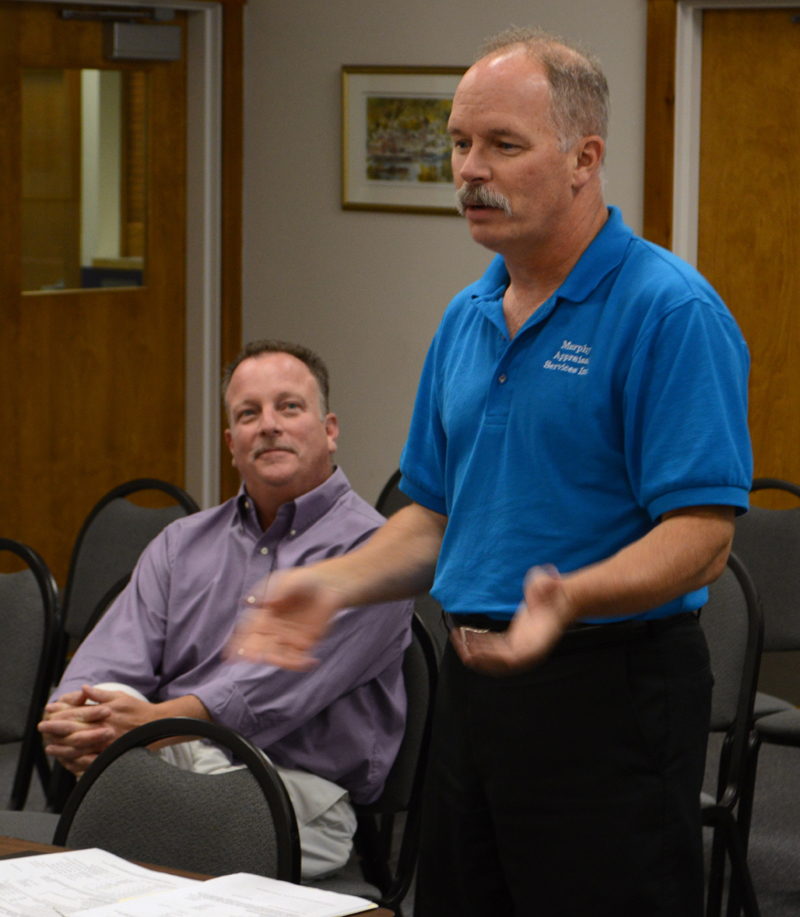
column 367, row 290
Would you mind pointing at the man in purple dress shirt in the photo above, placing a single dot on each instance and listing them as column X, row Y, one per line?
column 333, row 731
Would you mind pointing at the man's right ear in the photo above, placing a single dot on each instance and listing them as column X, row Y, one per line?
column 229, row 441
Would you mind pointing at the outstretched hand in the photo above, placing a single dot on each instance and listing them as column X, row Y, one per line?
column 291, row 611
column 535, row 629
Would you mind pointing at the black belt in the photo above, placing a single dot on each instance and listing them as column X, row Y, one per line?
column 580, row 635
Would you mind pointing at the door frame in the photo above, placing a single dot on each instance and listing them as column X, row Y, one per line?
column 672, row 120
column 213, row 240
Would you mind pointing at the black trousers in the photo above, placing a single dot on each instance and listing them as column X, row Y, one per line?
column 572, row 789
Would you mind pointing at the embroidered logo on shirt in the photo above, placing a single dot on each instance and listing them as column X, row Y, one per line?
column 570, row 358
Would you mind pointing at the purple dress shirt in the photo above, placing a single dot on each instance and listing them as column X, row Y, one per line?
column 165, row 634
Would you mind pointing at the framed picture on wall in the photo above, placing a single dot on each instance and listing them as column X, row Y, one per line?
column 395, row 145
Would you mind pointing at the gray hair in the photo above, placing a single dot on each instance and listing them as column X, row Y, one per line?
column 579, row 101
column 312, row 360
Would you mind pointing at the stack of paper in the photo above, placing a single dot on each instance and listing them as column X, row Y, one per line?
column 94, row 883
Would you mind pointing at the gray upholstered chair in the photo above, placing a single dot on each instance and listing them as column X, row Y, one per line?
column 28, row 613
column 732, row 623
column 109, row 544
column 402, row 793
column 136, row 805
column 107, row 548
column 768, row 543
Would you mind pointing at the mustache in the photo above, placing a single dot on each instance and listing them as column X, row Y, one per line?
column 265, row 445
column 480, row 196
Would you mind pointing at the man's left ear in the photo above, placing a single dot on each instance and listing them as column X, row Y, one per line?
column 588, row 158
column 332, row 430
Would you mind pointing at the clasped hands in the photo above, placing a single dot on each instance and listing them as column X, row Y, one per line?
column 292, row 610
column 81, row 724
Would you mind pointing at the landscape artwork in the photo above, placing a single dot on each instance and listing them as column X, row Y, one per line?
column 395, row 146
column 407, row 139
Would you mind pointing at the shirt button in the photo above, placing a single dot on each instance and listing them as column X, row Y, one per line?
column 502, row 379
column 246, row 504
column 265, row 550
column 251, row 600
column 293, row 532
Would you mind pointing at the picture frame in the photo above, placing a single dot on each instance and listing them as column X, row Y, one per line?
column 395, row 146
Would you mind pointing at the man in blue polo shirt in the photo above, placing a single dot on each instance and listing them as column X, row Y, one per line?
column 577, row 455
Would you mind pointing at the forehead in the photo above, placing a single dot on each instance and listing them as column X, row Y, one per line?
column 506, row 88
column 269, row 373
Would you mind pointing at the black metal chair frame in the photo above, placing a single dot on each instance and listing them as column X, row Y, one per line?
column 32, row 751
column 729, row 834
column 286, row 831
column 388, row 490
column 373, row 838
column 775, row 484
column 745, row 810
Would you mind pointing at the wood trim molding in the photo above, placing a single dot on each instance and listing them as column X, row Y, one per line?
column 659, row 145
column 232, row 185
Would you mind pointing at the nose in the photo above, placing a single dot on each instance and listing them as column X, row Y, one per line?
column 472, row 166
column 270, row 420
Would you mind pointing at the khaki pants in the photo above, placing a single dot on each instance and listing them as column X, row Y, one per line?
column 325, row 817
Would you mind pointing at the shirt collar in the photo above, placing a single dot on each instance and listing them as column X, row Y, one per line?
column 603, row 254
column 298, row 514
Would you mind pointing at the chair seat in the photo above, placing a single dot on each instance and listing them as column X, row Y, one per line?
column 348, row 881
column 766, row 704
column 29, row 826
column 780, row 728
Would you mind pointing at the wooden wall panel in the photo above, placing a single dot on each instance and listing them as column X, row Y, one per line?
column 232, row 165
column 659, row 121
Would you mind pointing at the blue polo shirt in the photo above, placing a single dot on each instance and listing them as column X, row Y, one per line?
column 622, row 397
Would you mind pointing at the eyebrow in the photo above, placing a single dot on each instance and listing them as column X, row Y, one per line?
column 288, row 393
column 495, row 132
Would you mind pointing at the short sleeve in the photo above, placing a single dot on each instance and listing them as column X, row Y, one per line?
column 423, row 460
column 685, row 403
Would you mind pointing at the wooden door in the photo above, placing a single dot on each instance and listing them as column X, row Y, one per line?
column 749, row 233
column 749, row 216
column 92, row 379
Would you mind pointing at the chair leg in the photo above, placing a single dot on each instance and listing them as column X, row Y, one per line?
column 23, row 773
column 368, row 844
column 716, row 877
column 42, row 766
column 744, row 814
column 744, row 811
column 741, row 885
column 62, row 782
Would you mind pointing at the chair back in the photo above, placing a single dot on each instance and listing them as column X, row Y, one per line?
column 403, row 789
column 767, row 541
column 107, row 548
column 733, row 627
column 28, row 614
column 420, row 673
column 138, row 806
column 391, row 498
